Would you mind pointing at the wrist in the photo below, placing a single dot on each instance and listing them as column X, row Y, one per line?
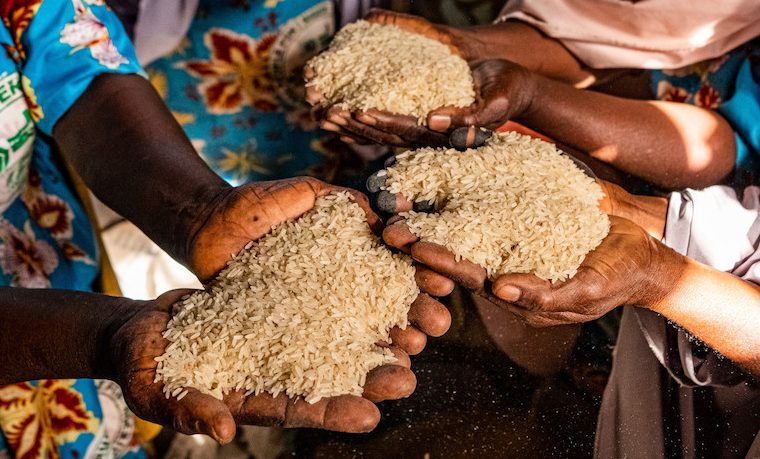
column 110, row 344
column 193, row 215
column 666, row 268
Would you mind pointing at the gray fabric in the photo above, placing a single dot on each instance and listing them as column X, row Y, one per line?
column 161, row 25
column 351, row 10
column 668, row 393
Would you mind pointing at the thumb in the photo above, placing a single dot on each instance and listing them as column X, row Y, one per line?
column 202, row 413
column 489, row 112
column 525, row 290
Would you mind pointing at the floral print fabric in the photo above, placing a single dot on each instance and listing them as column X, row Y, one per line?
column 52, row 51
column 731, row 86
column 235, row 83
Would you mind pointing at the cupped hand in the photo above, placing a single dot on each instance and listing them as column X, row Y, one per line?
column 628, row 267
column 503, row 90
column 236, row 217
column 248, row 212
column 137, row 342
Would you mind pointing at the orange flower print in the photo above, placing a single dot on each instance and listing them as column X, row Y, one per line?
column 708, row 97
column 670, row 93
column 237, row 73
column 28, row 261
column 35, row 419
column 16, row 15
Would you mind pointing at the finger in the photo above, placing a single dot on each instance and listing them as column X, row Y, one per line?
column 376, row 181
column 345, row 413
column 402, row 358
column 201, row 413
column 526, row 291
column 406, row 127
column 393, row 203
column 389, row 382
column 441, row 259
column 313, row 95
column 429, row 316
column 358, row 128
column 308, row 72
column 432, row 282
column 166, row 301
column 410, row 339
column 469, row 137
column 355, row 140
column 400, row 236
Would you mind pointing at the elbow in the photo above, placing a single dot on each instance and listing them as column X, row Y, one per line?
column 714, row 156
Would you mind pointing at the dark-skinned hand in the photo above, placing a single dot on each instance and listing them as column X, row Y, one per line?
column 618, row 272
column 503, row 91
column 236, row 216
column 137, row 342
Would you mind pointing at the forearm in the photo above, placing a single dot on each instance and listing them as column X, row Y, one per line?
column 672, row 145
column 525, row 45
column 720, row 309
column 52, row 334
column 126, row 145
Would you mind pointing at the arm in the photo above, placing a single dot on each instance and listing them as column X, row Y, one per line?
column 509, row 40
column 85, row 335
column 670, row 144
column 57, row 333
column 139, row 161
column 721, row 309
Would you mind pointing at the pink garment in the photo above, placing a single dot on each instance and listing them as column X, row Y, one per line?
column 647, row 34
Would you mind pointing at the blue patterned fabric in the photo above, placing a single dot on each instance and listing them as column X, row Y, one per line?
column 52, row 51
column 731, row 86
column 235, row 84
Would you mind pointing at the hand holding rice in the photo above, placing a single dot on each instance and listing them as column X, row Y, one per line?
column 514, row 205
column 300, row 311
column 383, row 67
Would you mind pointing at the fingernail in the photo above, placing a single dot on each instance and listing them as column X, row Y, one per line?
column 509, row 293
column 366, row 119
column 423, row 206
column 439, row 122
column 376, row 182
column 337, row 120
column 348, row 140
column 328, row 126
column 386, row 202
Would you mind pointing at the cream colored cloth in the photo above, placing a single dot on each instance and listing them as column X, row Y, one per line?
column 645, row 34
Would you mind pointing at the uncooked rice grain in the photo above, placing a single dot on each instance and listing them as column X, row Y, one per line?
column 383, row 67
column 514, row 205
column 298, row 311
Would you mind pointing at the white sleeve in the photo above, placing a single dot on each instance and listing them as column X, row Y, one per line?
column 719, row 227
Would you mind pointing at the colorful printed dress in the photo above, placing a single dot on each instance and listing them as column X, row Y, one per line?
column 730, row 85
column 52, row 51
column 236, row 85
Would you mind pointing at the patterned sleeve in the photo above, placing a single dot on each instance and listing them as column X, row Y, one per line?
column 61, row 46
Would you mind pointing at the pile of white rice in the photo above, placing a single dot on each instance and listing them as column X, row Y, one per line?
column 515, row 205
column 383, row 67
column 297, row 311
